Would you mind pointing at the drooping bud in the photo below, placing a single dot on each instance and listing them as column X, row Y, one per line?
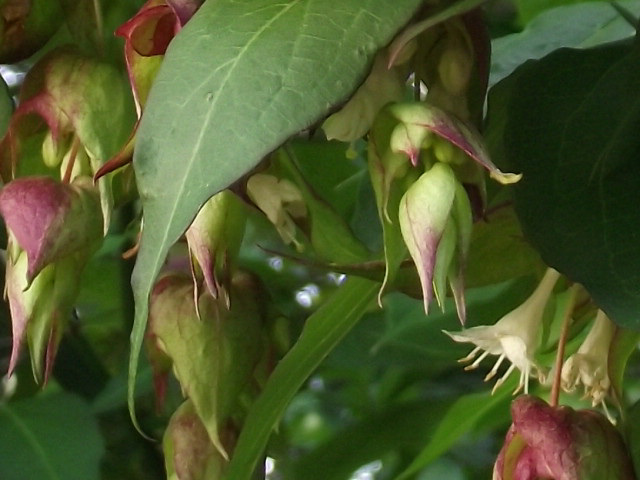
column 424, row 211
column 423, row 116
column 562, row 444
column 383, row 85
column 214, row 239
column 53, row 230
column 51, row 220
column 214, row 354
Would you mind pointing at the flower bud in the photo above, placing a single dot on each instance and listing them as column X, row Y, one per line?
column 188, row 452
column 562, row 444
column 424, row 211
column 383, row 85
column 214, row 239
column 214, row 353
column 51, row 220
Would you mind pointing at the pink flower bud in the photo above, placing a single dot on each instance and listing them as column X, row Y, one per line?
column 560, row 443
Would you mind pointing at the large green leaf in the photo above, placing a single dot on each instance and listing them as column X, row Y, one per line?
column 49, row 437
column 323, row 330
column 569, row 123
column 579, row 26
column 238, row 80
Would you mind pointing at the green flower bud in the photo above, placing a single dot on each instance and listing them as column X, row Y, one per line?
column 214, row 239
column 383, row 85
column 215, row 350
column 424, row 212
column 281, row 201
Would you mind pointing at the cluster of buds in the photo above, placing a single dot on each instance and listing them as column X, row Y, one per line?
column 54, row 228
column 55, row 214
column 417, row 152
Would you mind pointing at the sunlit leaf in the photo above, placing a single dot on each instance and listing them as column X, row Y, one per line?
column 271, row 70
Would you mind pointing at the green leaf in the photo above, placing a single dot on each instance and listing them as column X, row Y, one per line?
column 460, row 419
column 498, row 250
column 569, row 124
column 578, row 26
column 271, row 70
column 528, row 10
column 323, row 330
column 49, row 437
column 633, row 434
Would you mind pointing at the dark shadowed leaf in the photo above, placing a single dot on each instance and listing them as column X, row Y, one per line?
column 569, row 124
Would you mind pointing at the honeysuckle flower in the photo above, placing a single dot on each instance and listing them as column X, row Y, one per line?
column 280, row 200
column 562, row 444
column 514, row 337
column 589, row 366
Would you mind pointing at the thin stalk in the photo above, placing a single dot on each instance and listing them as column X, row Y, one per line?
column 72, row 160
column 97, row 12
column 562, row 342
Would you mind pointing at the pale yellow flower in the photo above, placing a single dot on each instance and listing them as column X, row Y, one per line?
column 514, row 337
column 589, row 366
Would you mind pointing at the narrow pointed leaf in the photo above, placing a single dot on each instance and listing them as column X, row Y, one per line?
column 463, row 415
column 271, row 70
column 323, row 331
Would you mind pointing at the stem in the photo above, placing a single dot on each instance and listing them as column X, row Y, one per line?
column 97, row 11
column 72, row 160
column 562, row 342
